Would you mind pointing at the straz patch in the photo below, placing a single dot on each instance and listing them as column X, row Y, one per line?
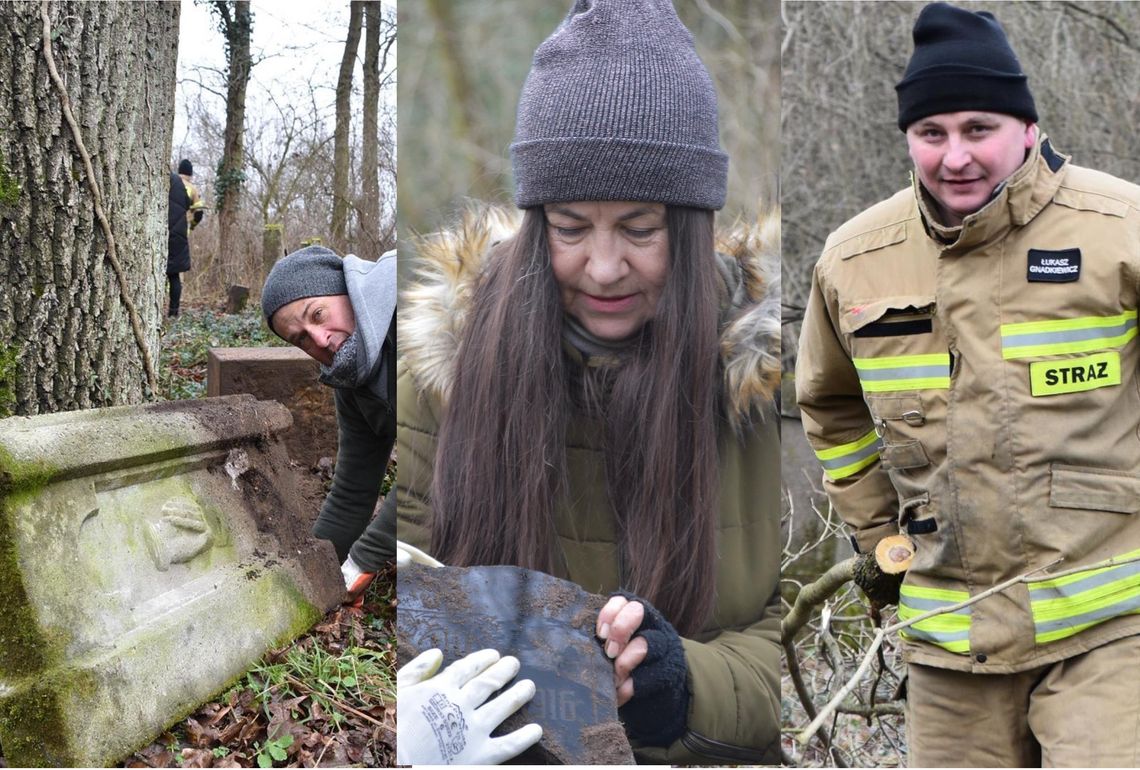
column 1054, row 266
column 1048, row 378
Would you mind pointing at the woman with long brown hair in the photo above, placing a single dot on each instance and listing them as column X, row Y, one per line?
column 591, row 396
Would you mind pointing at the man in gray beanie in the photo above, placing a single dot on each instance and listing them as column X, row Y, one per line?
column 968, row 378
column 341, row 312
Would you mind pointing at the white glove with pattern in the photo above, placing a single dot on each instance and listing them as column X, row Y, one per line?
column 441, row 719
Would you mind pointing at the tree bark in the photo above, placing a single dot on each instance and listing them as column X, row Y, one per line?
column 341, row 185
column 66, row 338
column 236, row 24
column 370, row 142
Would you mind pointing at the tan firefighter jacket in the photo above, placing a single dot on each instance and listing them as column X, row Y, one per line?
column 977, row 388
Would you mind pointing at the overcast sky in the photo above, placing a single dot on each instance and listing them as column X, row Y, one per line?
column 294, row 42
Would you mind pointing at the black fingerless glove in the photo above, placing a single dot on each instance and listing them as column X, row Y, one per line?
column 658, row 711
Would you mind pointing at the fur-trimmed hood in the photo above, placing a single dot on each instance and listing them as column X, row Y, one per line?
column 433, row 309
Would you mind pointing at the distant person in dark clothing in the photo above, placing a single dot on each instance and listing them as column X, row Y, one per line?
column 186, row 211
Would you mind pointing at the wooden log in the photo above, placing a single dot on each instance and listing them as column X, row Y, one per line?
column 880, row 574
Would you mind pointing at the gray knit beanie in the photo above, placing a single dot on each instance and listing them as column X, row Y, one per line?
column 314, row 271
column 618, row 106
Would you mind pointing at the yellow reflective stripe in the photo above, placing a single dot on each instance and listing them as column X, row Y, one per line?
column 951, row 631
column 1065, row 606
column 1097, row 598
column 1052, row 636
column 847, row 459
column 938, row 594
column 1070, row 335
column 948, row 623
column 1037, row 585
column 892, row 362
column 892, row 373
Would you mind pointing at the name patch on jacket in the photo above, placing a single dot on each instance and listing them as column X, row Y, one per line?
column 1048, row 378
column 1054, row 266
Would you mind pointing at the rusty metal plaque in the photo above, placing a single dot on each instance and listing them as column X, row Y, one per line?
column 548, row 624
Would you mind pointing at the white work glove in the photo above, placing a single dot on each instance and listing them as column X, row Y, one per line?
column 409, row 554
column 356, row 581
column 439, row 720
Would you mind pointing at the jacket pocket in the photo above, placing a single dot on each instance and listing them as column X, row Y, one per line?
column 893, row 416
column 896, row 344
column 888, row 317
column 1094, row 489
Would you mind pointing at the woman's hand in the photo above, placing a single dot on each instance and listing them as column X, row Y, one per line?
column 650, row 671
column 617, row 623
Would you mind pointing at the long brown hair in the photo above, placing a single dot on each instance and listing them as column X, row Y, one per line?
column 500, row 466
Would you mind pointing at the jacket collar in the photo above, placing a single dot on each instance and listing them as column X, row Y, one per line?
column 433, row 309
column 1015, row 202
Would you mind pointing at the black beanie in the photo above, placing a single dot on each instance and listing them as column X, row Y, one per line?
column 961, row 61
column 186, row 167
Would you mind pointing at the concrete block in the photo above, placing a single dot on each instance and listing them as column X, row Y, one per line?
column 148, row 556
column 286, row 375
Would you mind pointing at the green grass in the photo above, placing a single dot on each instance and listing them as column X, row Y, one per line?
column 354, row 675
column 187, row 338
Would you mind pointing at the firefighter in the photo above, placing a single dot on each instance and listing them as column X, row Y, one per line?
column 186, row 212
column 967, row 373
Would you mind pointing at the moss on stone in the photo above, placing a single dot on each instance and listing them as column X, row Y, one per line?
column 33, row 727
column 24, row 649
column 18, row 476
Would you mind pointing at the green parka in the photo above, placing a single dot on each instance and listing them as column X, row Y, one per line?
column 734, row 663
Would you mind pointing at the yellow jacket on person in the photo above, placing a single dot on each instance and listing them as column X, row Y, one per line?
column 978, row 388
column 197, row 207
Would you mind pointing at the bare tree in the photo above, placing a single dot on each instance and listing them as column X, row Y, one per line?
column 370, row 138
column 86, row 114
column 341, row 183
column 235, row 22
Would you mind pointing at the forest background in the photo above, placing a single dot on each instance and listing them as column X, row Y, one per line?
column 462, row 67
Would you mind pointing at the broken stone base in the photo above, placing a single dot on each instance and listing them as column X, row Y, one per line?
column 286, row 375
column 548, row 624
column 148, row 556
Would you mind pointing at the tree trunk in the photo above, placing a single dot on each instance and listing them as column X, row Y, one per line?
column 67, row 340
column 370, row 143
column 236, row 24
column 341, row 186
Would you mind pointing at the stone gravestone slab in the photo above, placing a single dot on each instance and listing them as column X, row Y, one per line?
column 548, row 624
column 148, row 556
column 286, row 375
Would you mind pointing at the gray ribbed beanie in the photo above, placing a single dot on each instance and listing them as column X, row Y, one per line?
column 313, row 271
column 618, row 106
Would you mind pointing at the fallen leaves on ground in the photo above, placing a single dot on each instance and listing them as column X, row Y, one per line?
column 285, row 719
